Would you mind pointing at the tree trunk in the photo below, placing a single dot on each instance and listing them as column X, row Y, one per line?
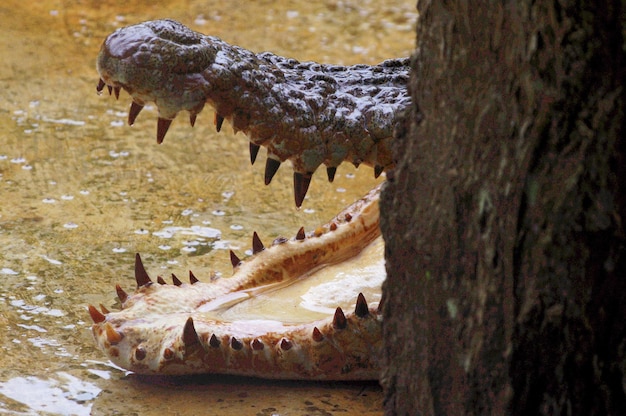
column 504, row 218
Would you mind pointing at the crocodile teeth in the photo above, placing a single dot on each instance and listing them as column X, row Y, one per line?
column 330, row 171
column 141, row 276
column 96, row 315
column 192, row 279
column 271, row 166
column 161, row 281
column 254, row 151
column 135, row 109
column 301, row 182
column 190, row 336
column 140, row 353
column 339, row 320
column 300, row 235
column 378, row 170
column 285, row 344
column 113, row 336
column 163, row 125
column 117, row 90
column 100, row 86
column 234, row 260
column 257, row 244
column 121, row 294
column 214, row 342
column 176, row 280
column 236, row 344
column 110, row 88
column 192, row 119
column 361, row 310
column 218, row 120
column 317, row 335
column 257, row 345
column 168, row 354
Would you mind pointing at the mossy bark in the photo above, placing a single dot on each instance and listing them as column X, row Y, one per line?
column 504, row 218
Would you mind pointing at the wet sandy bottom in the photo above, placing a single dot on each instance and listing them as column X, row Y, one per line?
column 82, row 192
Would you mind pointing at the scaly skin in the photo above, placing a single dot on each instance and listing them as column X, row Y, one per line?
column 308, row 113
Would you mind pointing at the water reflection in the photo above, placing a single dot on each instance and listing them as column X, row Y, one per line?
column 81, row 192
column 64, row 394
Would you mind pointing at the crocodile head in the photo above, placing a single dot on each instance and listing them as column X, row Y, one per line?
column 308, row 113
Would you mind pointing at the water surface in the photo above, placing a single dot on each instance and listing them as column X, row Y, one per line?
column 82, row 192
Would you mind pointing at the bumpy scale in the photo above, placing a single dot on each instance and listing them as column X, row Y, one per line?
column 305, row 112
column 308, row 113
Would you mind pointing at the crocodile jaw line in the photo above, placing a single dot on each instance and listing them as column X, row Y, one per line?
column 179, row 328
column 308, row 113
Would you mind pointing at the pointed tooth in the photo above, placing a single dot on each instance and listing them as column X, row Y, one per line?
column 104, row 309
column 161, row 281
column 317, row 335
column 190, row 336
column 95, row 314
column 234, row 260
column 361, row 310
column 121, row 294
column 218, row 122
column 141, row 276
column 380, row 305
column 339, row 320
column 192, row 119
column 214, row 341
column 257, row 244
column 300, row 236
column 330, row 171
column 176, row 280
column 116, row 91
column 168, row 354
column 163, row 125
column 140, row 353
column 110, row 88
column 113, row 336
column 254, row 151
column 192, row 279
column 285, row 344
column 100, row 86
column 271, row 166
column 236, row 344
column 257, row 345
column 378, row 170
column 301, row 182
column 135, row 109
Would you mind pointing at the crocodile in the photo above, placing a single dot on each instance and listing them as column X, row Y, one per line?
column 305, row 112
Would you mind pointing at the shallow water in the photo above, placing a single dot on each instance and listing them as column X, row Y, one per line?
column 82, row 192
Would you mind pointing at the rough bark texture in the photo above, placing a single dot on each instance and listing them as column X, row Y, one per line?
column 504, row 219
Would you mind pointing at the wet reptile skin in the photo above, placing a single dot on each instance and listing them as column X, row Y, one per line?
column 308, row 113
column 305, row 112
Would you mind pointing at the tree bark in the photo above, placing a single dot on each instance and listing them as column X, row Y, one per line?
column 504, row 218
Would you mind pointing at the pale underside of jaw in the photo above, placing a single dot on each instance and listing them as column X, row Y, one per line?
column 309, row 297
column 293, row 328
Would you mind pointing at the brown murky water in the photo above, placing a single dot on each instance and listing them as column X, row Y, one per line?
column 81, row 192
